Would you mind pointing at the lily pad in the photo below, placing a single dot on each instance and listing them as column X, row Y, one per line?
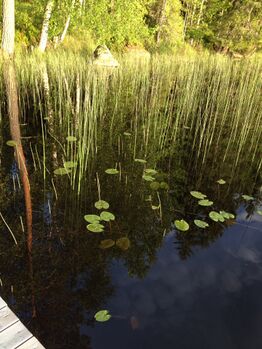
column 227, row 215
column 95, row 227
column 61, row 171
column 148, row 178
column 198, row 195
column 154, row 185
column 112, row 171
column 142, row 161
column 123, row 243
column 248, row 198
column 181, row 225
column 150, row 171
column 164, row 185
column 259, row 212
column 101, row 205
column 201, row 224
column 221, row 181
column 102, row 316
column 71, row 139
column 216, row 217
column 107, row 216
column 205, row 202
column 92, row 218
column 104, row 244
column 11, row 143
column 70, row 164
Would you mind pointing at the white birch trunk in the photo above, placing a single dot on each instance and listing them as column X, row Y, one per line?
column 200, row 13
column 62, row 37
column 8, row 35
column 45, row 27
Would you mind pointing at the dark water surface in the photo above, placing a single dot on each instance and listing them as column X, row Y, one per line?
column 195, row 289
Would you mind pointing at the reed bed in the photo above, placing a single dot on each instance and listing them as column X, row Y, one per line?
column 210, row 106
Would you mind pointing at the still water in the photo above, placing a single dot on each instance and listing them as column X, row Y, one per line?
column 166, row 288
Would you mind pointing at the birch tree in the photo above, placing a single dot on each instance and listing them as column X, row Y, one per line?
column 45, row 25
column 8, row 35
column 62, row 37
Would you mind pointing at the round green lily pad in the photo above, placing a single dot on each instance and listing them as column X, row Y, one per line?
column 102, row 316
column 205, row 202
column 216, row 217
column 198, row 195
column 148, row 178
column 107, row 216
column 92, row 218
column 201, row 224
column 123, row 243
column 61, row 171
column 104, row 244
column 95, row 227
column 102, row 205
column 150, row 171
column 181, row 225
column 248, row 198
column 112, row 171
column 11, row 143
column 70, row 164
column 154, row 185
column 221, row 181
column 142, row 161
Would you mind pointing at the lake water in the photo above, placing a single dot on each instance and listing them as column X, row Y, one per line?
column 199, row 288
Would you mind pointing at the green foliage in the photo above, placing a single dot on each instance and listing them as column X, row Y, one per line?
column 163, row 25
column 222, row 24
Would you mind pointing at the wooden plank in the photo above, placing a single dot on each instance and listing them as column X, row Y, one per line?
column 7, row 318
column 14, row 336
column 2, row 303
column 32, row 343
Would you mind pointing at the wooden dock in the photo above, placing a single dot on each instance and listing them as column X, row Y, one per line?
column 13, row 334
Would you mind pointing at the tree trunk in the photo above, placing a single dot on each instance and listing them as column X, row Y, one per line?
column 8, row 35
column 45, row 26
column 62, row 37
column 13, row 113
column 161, row 18
column 200, row 13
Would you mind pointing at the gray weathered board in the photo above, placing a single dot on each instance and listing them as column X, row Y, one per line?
column 13, row 334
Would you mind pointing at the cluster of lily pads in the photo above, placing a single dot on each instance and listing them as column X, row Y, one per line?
column 149, row 176
column 68, row 165
column 215, row 216
column 95, row 226
column 94, row 220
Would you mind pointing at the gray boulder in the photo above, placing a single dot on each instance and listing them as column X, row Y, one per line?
column 103, row 57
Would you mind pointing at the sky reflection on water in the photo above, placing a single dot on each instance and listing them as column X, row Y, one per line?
column 211, row 300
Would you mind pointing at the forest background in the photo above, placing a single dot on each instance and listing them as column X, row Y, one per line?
column 226, row 26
